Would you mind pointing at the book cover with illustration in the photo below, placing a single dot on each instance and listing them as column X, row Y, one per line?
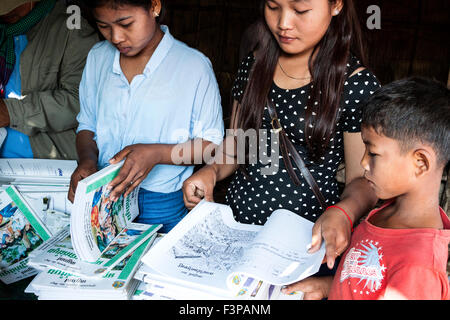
column 96, row 220
column 21, row 232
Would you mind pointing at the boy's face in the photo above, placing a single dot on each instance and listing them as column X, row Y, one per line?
column 388, row 170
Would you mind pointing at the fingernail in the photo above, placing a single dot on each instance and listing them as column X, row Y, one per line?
column 330, row 264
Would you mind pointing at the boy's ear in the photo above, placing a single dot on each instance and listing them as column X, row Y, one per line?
column 423, row 159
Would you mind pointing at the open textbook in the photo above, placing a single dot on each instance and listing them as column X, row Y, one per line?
column 96, row 220
column 21, row 232
column 209, row 251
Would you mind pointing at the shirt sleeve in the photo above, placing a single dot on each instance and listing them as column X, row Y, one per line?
column 207, row 118
column 357, row 89
column 87, row 118
column 416, row 283
column 55, row 110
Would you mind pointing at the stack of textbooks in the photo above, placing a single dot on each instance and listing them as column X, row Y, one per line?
column 209, row 255
column 111, row 280
column 96, row 256
column 33, row 207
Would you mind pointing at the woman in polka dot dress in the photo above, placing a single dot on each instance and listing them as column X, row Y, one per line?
column 309, row 63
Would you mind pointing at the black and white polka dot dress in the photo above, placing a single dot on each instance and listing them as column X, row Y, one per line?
column 253, row 199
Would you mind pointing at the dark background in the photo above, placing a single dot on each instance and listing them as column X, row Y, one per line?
column 413, row 40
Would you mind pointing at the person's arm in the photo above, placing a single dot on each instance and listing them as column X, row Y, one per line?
column 86, row 145
column 141, row 158
column 225, row 161
column 358, row 198
column 333, row 226
column 201, row 184
column 55, row 110
column 88, row 157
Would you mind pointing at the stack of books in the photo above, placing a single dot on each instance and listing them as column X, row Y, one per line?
column 86, row 250
column 33, row 207
column 55, row 283
column 96, row 256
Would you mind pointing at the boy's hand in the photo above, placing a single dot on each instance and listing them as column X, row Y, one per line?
column 140, row 160
column 84, row 170
column 335, row 229
column 314, row 288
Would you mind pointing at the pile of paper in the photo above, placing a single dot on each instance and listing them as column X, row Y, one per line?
column 115, row 284
column 96, row 255
column 38, row 172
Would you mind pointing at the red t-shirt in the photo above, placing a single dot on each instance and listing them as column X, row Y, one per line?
column 394, row 264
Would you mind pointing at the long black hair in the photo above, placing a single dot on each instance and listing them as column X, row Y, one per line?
column 328, row 69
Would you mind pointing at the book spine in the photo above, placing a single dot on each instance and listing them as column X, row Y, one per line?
column 133, row 263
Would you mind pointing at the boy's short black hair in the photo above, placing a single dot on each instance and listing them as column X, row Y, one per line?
column 411, row 110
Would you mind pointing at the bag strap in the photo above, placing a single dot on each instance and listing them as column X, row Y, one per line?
column 287, row 148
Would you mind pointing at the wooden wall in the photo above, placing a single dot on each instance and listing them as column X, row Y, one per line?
column 414, row 39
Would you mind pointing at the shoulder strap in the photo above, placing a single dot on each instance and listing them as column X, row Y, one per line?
column 287, row 148
column 354, row 65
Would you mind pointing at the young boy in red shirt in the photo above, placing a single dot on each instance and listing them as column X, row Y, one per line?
column 400, row 250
